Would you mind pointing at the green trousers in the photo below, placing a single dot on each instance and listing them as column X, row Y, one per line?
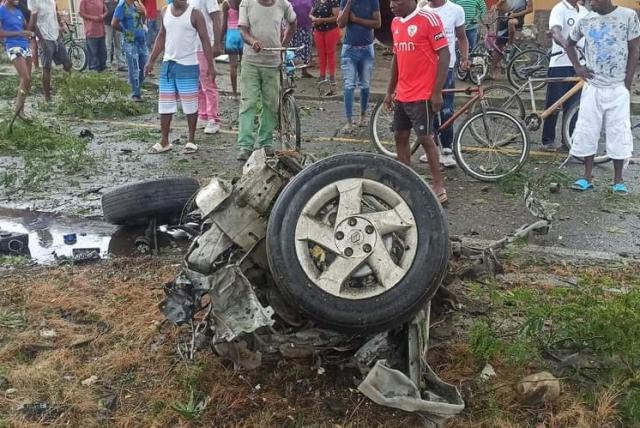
column 258, row 86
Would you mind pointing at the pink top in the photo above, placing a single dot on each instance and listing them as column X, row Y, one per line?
column 232, row 18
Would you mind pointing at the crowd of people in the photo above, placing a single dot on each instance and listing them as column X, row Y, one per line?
column 427, row 36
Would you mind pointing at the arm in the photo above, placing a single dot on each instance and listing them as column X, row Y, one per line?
column 158, row 46
column 632, row 61
column 343, row 16
column 581, row 70
column 391, row 86
column 463, row 45
column 84, row 15
column 216, row 18
column 141, row 9
column 118, row 13
column 443, row 69
column 373, row 23
column 26, row 33
column 556, row 35
column 290, row 31
column 525, row 12
column 330, row 20
column 198, row 22
column 245, row 30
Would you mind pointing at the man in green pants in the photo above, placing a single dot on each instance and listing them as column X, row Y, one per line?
column 259, row 24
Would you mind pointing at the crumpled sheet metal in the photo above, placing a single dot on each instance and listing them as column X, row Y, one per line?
column 234, row 309
column 388, row 387
column 235, row 306
column 212, row 195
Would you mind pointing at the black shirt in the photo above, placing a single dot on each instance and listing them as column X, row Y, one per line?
column 324, row 9
column 22, row 7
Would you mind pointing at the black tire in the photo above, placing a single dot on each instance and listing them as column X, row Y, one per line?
column 530, row 63
column 78, row 56
column 569, row 122
column 291, row 135
column 381, row 132
column 393, row 306
column 135, row 203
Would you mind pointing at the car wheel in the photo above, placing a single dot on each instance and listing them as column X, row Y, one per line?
column 357, row 242
column 135, row 203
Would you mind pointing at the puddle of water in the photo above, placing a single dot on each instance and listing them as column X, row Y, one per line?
column 46, row 233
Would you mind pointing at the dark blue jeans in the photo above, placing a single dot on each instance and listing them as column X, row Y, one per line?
column 472, row 36
column 97, row 53
column 152, row 33
column 554, row 92
column 446, row 137
column 357, row 67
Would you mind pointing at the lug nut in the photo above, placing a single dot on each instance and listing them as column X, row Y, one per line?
column 348, row 252
column 369, row 229
column 366, row 248
column 352, row 221
column 339, row 236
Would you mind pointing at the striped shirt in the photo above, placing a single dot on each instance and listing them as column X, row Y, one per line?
column 473, row 11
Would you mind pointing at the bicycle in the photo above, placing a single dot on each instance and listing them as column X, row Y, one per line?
column 288, row 111
column 532, row 63
column 486, row 132
column 77, row 51
column 486, row 48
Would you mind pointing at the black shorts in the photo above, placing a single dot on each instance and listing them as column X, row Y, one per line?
column 502, row 29
column 412, row 115
column 53, row 51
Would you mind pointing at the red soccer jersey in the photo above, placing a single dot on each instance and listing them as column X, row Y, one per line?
column 416, row 39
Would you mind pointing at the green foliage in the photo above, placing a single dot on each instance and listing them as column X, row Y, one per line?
column 193, row 408
column 11, row 319
column 95, row 95
column 15, row 261
column 46, row 148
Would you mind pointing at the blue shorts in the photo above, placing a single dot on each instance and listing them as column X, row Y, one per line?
column 178, row 82
column 233, row 42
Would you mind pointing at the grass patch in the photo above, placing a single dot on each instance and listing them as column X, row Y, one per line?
column 46, row 148
column 140, row 135
column 11, row 319
column 97, row 95
column 14, row 261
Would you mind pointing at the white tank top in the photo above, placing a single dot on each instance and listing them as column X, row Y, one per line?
column 181, row 41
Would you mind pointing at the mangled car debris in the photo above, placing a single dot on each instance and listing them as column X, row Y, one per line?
column 339, row 257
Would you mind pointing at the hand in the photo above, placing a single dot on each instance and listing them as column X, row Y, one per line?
column 148, row 69
column 436, row 101
column 353, row 17
column 315, row 20
column 138, row 7
column 28, row 34
column 584, row 73
column 256, row 46
column 388, row 102
column 465, row 64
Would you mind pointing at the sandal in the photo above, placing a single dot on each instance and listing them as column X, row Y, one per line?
column 442, row 197
column 190, row 148
column 158, row 148
column 582, row 185
column 620, row 189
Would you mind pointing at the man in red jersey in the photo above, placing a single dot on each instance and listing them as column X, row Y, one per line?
column 418, row 73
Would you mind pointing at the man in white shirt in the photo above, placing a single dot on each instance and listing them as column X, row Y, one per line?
column 45, row 15
column 208, row 107
column 562, row 19
column 452, row 17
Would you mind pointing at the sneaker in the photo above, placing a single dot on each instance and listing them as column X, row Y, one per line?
column 136, row 98
column 244, row 155
column 212, row 127
column 347, row 128
column 268, row 151
column 446, row 158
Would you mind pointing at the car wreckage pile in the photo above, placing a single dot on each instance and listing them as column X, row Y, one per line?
column 336, row 257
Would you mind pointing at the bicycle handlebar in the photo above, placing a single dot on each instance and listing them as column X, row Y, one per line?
column 282, row 49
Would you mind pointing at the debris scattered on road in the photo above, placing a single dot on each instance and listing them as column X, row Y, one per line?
column 89, row 381
column 538, row 388
column 48, row 334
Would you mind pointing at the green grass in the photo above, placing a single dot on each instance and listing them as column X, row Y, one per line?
column 140, row 135
column 11, row 319
column 47, row 148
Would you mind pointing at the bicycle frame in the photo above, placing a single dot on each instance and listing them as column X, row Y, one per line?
column 479, row 94
column 549, row 111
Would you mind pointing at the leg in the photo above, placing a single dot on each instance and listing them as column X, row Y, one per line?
column 319, row 38
column 249, row 97
column 102, row 54
column 585, row 137
column 349, row 73
column 23, row 68
column 108, row 36
column 208, row 93
column 366, row 69
column 187, row 77
column 555, row 91
column 143, row 56
column 46, row 83
column 47, row 58
column 331, row 43
column 430, row 147
column 165, row 127
column 446, row 138
column 91, row 53
column 403, row 148
column 472, row 36
column 167, row 101
column 130, row 54
column 202, row 99
column 617, row 126
column 119, row 55
column 36, row 57
column 512, row 30
column 270, row 95
column 192, row 121
column 233, row 73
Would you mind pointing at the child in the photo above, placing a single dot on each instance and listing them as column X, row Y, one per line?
column 232, row 39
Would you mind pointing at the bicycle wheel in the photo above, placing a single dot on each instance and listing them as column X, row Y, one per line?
column 382, row 132
column 569, row 122
column 502, row 150
column 290, row 135
column 500, row 97
column 531, row 63
column 78, row 56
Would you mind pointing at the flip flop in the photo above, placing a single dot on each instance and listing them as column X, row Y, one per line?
column 620, row 189
column 190, row 148
column 442, row 197
column 158, row 148
column 582, row 185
